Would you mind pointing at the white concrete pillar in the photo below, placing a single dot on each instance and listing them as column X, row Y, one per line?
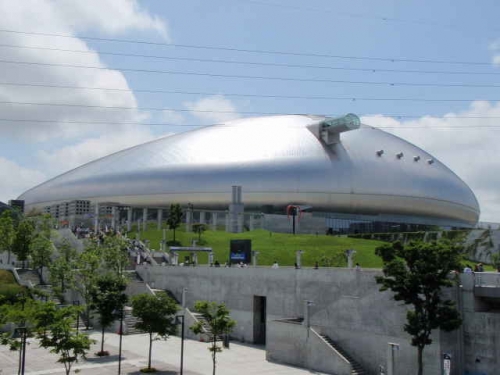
column 255, row 255
column 210, row 258
column 227, row 221
column 214, row 221
column 129, row 219
column 183, row 298
column 202, row 217
column 175, row 258
column 194, row 258
column 113, row 217
column 298, row 257
column 160, row 218
column 392, row 348
column 307, row 314
column 251, row 224
column 240, row 222
column 189, row 220
column 350, row 256
column 96, row 217
column 145, row 218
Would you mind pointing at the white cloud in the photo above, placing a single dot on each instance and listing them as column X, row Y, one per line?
column 172, row 117
column 495, row 47
column 464, row 145
column 65, row 17
column 16, row 179
column 74, row 155
column 223, row 109
column 111, row 16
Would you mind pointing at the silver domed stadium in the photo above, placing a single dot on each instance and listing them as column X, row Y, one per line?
column 334, row 166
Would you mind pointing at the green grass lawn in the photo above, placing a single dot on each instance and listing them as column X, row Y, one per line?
column 276, row 246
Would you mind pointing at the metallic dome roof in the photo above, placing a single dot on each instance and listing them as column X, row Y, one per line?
column 278, row 160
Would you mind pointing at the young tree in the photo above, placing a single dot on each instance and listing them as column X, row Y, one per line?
column 416, row 273
column 115, row 254
column 107, row 298
column 62, row 276
column 217, row 317
column 156, row 317
column 174, row 217
column 63, row 338
column 495, row 260
column 22, row 240
column 199, row 228
column 41, row 252
column 88, row 264
column 7, row 233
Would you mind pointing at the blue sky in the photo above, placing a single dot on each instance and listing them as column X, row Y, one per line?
column 447, row 31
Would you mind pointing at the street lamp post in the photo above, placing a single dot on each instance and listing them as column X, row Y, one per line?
column 120, row 344
column 181, row 319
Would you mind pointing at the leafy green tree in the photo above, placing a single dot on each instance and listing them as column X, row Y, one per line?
column 174, row 217
column 62, row 276
column 63, row 338
column 88, row 264
column 495, row 260
column 219, row 321
column 107, row 298
column 115, row 254
column 417, row 273
column 41, row 252
column 156, row 317
column 7, row 233
column 199, row 228
column 21, row 245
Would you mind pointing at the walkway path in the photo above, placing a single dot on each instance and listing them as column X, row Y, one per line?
column 240, row 359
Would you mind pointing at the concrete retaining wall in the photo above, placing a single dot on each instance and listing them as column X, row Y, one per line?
column 348, row 306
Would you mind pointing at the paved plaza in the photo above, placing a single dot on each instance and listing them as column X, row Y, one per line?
column 240, row 359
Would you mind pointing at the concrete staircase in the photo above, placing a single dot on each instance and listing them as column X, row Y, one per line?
column 129, row 322
column 206, row 328
column 49, row 293
column 29, row 276
column 357, row 369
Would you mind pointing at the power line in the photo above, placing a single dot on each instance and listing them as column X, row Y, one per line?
column 227, row 125
column 258, row 51
column 272, row 78
column 397, row 116
column 251, row 63
column 204, row 93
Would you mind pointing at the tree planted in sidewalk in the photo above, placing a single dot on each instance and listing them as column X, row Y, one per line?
column 219, row 323
column 417, row 273
column 62, row 338
column 156, row 316
column 107, row 298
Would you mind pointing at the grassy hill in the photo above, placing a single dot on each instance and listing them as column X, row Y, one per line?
column 326, row 250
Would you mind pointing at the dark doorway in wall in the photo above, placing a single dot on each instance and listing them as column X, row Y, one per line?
column 259, row 320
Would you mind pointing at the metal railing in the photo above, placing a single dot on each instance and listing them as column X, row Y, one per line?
column 487, row 279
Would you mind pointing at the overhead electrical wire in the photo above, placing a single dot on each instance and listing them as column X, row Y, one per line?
column 227, row 125
column 251, row 63
column 270, row 96
column 256, row 51
column 398, row 116
column 238, row 76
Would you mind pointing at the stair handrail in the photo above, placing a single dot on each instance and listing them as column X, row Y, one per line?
column 330, row 346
